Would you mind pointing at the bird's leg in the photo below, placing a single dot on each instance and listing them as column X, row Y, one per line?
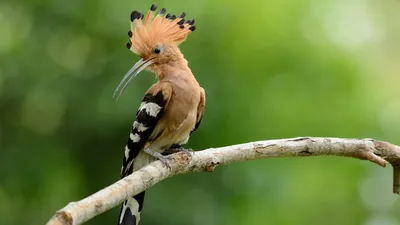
column 177, row 148
column 166, row 160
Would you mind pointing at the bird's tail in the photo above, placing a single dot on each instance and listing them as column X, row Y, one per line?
column 131, row 207
column 130, row 210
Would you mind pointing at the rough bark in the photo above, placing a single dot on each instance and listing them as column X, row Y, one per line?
column 378, row 152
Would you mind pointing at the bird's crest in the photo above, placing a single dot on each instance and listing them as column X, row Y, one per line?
column 152, row 29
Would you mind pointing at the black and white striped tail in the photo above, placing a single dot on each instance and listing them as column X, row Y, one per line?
column 130, row 210
column 147, row 116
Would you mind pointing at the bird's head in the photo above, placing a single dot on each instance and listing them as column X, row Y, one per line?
column 155, row 38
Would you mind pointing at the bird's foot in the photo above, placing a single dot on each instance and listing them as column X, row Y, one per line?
column 166, row 160
column 178, row 148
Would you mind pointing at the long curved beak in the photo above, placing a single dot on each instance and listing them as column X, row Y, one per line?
column 132, row 73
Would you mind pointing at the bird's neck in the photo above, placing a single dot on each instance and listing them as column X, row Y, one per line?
column 163, row 71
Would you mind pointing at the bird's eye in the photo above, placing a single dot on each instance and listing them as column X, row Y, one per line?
column 157, row 50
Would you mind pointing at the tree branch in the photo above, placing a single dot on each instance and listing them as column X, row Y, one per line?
column 378, row 152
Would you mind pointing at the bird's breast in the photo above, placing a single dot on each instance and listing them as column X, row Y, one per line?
column 180, row 115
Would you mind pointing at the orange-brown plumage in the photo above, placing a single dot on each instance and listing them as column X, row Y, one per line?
column 171, row 109
column 152, row 30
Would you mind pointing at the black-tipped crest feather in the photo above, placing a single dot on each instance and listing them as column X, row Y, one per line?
column 153, row 7
column 181, row 22
column 135, row 15
column 172, row 29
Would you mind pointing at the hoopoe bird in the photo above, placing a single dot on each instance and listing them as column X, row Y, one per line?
column 171, row 109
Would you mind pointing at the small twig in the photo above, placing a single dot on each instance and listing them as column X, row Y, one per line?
column 377, row 152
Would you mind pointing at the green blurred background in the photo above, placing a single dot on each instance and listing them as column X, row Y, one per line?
column 271, row 69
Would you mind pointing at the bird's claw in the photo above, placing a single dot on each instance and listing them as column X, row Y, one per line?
column 166, row 161
column 187, row 151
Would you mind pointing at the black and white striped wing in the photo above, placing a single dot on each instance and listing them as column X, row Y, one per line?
column 150, row 111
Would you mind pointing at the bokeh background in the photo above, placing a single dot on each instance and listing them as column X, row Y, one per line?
column 271, row 69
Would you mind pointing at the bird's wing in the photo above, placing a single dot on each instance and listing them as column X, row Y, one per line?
column 150, row 111
column 143, row 129
column 200, row 109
